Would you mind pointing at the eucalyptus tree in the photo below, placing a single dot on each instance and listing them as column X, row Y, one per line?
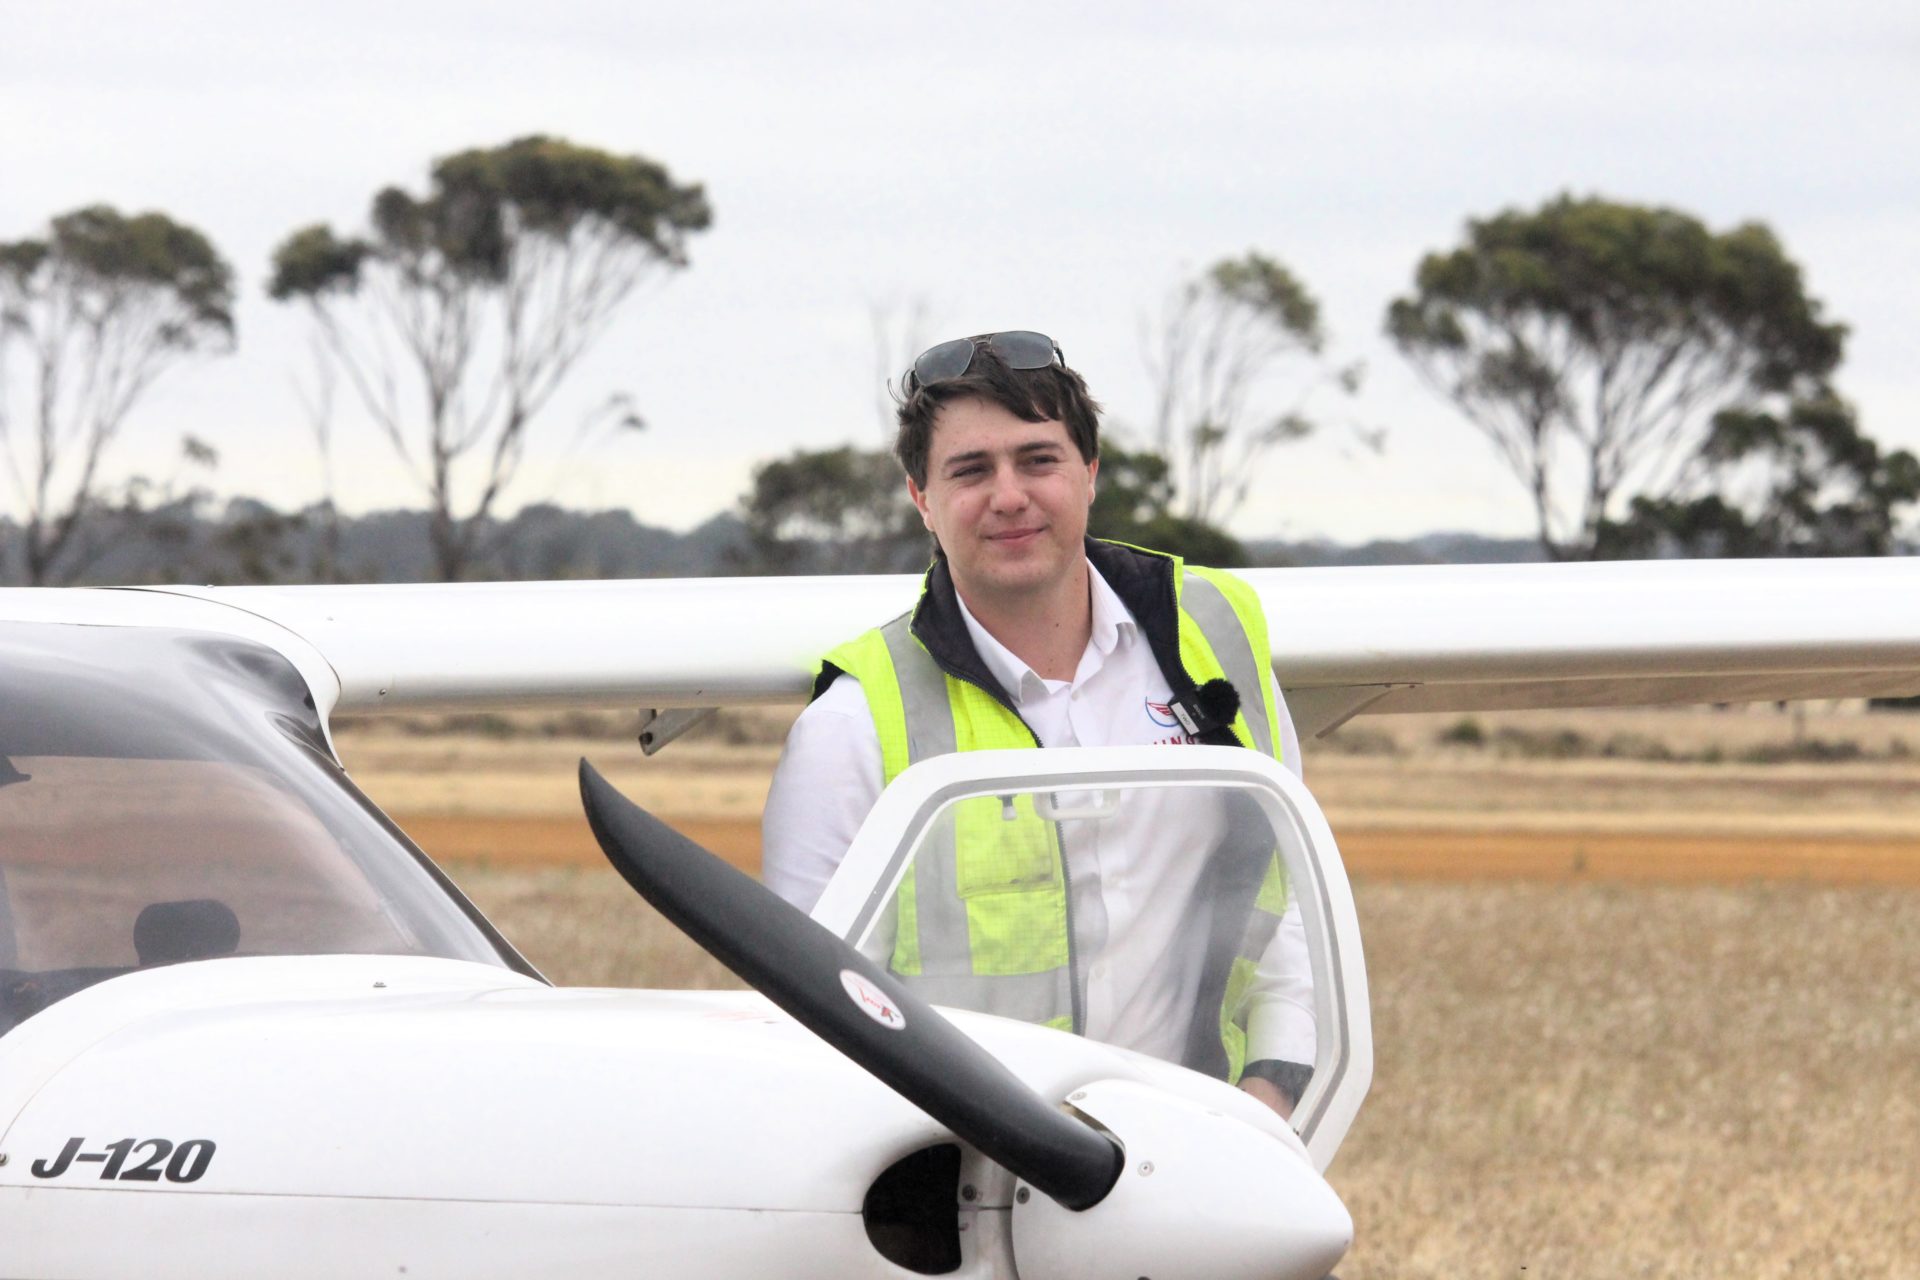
column 1593, row 343
column 1236, row 358
column 838, row 510
column 92, row 314
column 1805, row 481
column 457, row 314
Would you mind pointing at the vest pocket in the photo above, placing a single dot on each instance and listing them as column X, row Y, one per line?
column 1007, row 876
column 1002, row 846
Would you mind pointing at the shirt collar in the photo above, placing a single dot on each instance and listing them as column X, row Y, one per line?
column 1111, row 623
column 1111, row 620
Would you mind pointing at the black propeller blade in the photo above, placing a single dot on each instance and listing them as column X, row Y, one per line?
column 851, row 1003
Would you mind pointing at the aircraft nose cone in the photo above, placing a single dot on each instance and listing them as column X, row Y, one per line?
column 1202, row 1195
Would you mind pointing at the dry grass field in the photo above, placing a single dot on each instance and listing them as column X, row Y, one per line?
column 1625, row 1080
column 1633, row 1015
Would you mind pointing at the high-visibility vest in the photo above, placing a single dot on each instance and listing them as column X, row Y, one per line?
column 983, row 917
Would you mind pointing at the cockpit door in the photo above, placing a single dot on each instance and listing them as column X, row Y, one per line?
column 1157, row 856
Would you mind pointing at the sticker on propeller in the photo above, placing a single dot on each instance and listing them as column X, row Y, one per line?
column 872, row 1001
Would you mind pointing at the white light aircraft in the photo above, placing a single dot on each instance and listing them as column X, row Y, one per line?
column 247, row 1029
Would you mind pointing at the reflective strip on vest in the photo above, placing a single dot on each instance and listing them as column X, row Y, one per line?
column 923, row 691
column 1207, row 605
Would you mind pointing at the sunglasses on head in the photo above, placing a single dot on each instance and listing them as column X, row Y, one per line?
column 1017, row 349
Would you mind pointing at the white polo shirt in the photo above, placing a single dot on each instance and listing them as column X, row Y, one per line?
column 1132, row 878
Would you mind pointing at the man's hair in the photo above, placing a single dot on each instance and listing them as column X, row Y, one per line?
column 1053, row 394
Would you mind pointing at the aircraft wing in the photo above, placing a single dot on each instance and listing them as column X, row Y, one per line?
column 1345, row 641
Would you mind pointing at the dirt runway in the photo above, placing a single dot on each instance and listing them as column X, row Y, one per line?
column 1420, row 812
column 1399, row 852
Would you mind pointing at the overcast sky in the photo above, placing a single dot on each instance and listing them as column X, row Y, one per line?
column 1057, row 167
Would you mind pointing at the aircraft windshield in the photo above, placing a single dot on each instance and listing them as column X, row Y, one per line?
column 167, row 796
column 1153, row 913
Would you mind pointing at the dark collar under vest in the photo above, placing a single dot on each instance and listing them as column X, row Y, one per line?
column 1143, row 580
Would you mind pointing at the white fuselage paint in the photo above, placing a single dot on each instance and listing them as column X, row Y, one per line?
column 377, row 1113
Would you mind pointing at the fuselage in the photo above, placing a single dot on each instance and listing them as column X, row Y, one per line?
column 365, row 1113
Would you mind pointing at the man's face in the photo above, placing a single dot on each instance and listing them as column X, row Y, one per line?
column 1007, row 499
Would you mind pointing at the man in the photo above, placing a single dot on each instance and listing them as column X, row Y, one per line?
column 1030, row 634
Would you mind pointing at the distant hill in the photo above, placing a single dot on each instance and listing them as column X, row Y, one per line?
column 1430, row 548
column 248, row 541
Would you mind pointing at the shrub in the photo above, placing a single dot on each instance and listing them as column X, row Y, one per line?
column 1531, row 744
column 1349, row 741
column 1807, row 750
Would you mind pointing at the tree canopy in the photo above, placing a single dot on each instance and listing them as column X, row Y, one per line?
column 91, row 315
column 1804, row 482
column 480, row 296
column 1134, row 502
column 1592, row 343
column 841, row 510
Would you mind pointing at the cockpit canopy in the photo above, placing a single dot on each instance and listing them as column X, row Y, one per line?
column 168, row 796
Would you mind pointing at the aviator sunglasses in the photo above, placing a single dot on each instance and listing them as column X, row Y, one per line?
column 1017, row 348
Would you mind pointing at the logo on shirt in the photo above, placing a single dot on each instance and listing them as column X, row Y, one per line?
column 1161, row 714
